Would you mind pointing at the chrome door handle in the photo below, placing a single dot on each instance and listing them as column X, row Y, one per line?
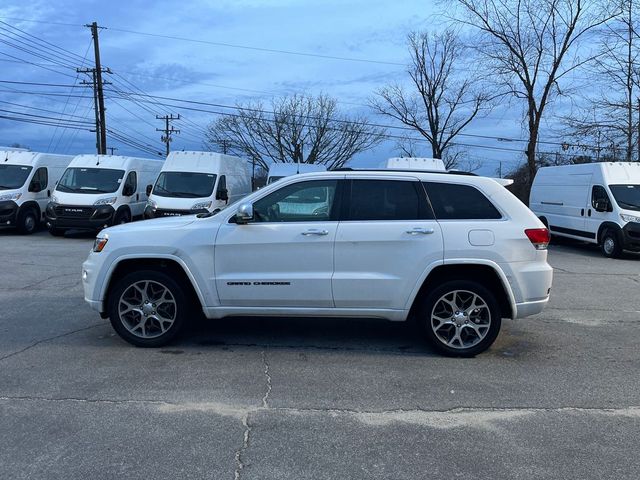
column 315, row 232
column 421, row 231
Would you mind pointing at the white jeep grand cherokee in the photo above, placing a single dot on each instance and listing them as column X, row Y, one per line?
column 457, row 253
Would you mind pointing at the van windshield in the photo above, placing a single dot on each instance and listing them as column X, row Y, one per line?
column 90, row 180
column 273, row 179
column 184, row 184
column 627, row 196
column 13, row 176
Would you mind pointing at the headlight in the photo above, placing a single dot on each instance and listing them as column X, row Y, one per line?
column 152, row 204
column 199, row 205
column 99, row 243
column 106, row 201
column 54, row 199
column 629, row 218
column 13, row 196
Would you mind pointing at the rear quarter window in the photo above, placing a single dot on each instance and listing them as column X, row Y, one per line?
column 452, row 201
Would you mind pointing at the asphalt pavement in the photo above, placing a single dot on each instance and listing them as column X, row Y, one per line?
column 557, row 397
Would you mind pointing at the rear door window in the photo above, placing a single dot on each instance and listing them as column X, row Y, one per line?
column 452, row 201
column 387, row 200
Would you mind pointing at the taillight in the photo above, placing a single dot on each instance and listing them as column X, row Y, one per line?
column 539, row 237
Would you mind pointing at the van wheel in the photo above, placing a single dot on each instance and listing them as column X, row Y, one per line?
column 122, row 217
column 27, row 221
column 610, row 244
column 460, row 318
column 147, row 308
column 56, row 232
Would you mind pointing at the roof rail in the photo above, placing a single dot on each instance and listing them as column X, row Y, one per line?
column 408, row 170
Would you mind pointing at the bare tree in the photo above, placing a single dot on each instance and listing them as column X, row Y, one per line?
column 611, row 119
column 531, row 45
column 439, row 104
column 298, row 128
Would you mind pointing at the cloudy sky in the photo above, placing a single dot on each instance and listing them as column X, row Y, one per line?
column 204, row 62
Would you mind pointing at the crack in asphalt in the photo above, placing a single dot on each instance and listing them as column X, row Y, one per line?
column 245, row 444
column 243, row 412
column 265, row 398
column 44, row 340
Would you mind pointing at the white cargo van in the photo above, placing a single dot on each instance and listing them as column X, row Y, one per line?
column 26, row 182
column 282, row 170
column 198, row 182
column 97, row 191
column 595, row 202
column 416, row 163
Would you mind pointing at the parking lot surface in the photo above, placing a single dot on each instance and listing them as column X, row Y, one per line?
column 557, row 396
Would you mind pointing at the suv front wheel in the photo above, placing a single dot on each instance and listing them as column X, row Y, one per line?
column 460, row 318
column 147, row 308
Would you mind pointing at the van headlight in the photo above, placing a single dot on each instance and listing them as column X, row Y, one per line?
column 106, row 201
column 200, row 205
column 13, row 196
column 54, row 199
column 629, row 218
column 151, row 204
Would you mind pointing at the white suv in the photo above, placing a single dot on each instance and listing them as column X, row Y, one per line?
column 455, row 252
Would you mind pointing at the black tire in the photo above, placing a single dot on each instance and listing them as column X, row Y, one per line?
column 27, row 221
column 56, row 232
column 611, row 243
column 122, row 217
column 122, row 323
column 488, row 315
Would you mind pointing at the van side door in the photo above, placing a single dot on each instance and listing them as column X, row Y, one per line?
column 598, row 211
column 39, row 187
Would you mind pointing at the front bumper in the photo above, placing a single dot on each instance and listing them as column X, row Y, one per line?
column 165, row 212
column 631, row 236
column 79, row 217
column 8, row 212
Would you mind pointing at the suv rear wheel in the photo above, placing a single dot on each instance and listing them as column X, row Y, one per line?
column 147, row 308
column 460, row 318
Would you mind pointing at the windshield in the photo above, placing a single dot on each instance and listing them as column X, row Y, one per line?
column 13, row 176
column 90, row 180
column 627, row 196
column 184, row 184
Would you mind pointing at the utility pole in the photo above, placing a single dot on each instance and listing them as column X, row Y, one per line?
column 111, row 150
column 168, row 130
column 639, row 129
column 98, row 93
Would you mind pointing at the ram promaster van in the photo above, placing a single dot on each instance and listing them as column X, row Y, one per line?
column 97, row 191
column 416, row 163
column 282, row 170
column 594, row 202
column 26, row 182
column 198, row 182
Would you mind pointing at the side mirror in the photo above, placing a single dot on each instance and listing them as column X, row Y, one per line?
column 244, row 213
column 35, row 187
column 127, row 191
column 223, row 194
column 149, row 188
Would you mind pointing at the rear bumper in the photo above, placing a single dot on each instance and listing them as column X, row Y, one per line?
column 526, row 309
column 8, row 212
column 80, row 218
